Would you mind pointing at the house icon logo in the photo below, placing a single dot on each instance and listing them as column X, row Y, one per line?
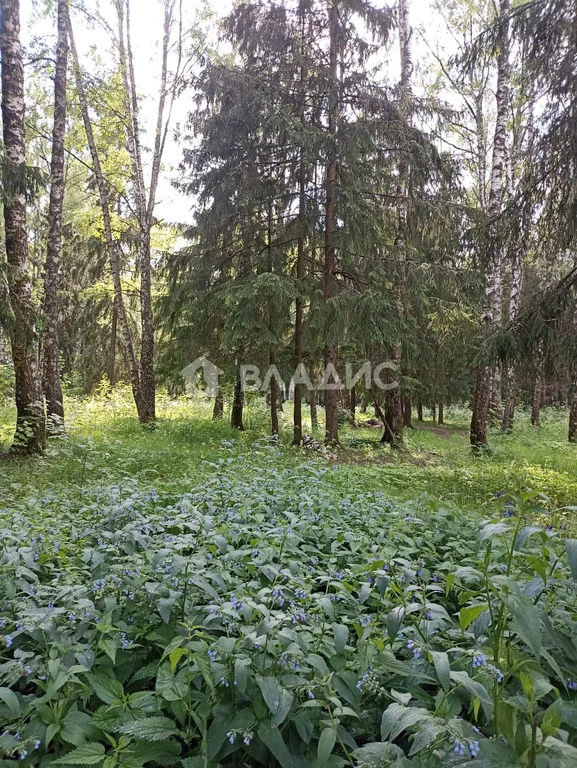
column 210, row 374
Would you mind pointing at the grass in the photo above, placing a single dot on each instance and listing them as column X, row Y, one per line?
column 105, row 444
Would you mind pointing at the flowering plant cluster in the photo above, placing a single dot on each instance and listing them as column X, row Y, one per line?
column 266, row 619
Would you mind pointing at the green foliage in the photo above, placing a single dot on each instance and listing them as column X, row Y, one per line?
column 271, row 615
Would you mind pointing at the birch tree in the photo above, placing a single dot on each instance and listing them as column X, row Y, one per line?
column 493, row 247
column 31, row 421
column 51, row 352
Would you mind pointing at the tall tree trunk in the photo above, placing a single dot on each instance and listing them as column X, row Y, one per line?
column 420, row 410
column 353, row 406
column 218, row 409
column 482, row 396
column 236, row 421
column 52, row 385
column 573, row 415
column 514, row 299
column 407, row 412
column 312, row 395
column 301, row 263
column 536, row 400
column 30, row 432
column 274, row 386
column 330, row 262
column 393, row 398
column 113, row 335
column 441, row 419
column 112, row 247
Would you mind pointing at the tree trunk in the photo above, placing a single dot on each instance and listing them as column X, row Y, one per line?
column 218, row 409
column 301, row 261
column 113, row 335
column 30, row 432
column 573, row 416
column 420, row 410
column 494, row 283
column 313, row 408
column 274, row 385
column 330, row 262
column 478, row 434
column 52, row 385
column 441, row 419
column 407, row 412
column 394, row 425
column 536, row 401
column 514, row 299
column 274, row 400
column 434, row 413
column 112, row 247
column 237, row 404
column 353, row 406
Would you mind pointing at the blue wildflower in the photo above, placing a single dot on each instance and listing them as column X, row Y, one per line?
column 479, row 660
column 365, row 621
column 459, row 747
column 474, row 749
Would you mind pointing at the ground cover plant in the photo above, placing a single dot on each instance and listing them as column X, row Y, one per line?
column 263, row 615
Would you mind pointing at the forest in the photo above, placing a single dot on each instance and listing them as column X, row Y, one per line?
column 288, row 383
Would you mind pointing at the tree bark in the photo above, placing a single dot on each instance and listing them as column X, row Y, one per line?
column 113, row 337
column 407, row 412
column 353, row 406
column 52, row 384
column 236, row 421
column 420, row 410
column 573, row 416
column 514, row 300
column 536, row 401
column 301, row 262
column 394, row 425
column 30, row 432
column 218, row 408
column 313, row 408
column 441, row 419
column 330, row 262
column 482, row 396
column 480, row 408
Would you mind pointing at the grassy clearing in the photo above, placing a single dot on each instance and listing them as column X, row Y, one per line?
column 106, row 445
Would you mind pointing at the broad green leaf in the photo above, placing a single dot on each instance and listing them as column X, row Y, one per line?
column 341, row 635
column 150, row 729
column 552, row 718
column 11, row 700
column 326, row 745
column 108, row 689
column 476, row 690
column 442, row 668
column 469, row 613
column 87, row 754
column 271, row 692
column 271, row 737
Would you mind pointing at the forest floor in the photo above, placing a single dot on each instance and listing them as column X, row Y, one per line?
column 228, row 600
column 105, row 445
